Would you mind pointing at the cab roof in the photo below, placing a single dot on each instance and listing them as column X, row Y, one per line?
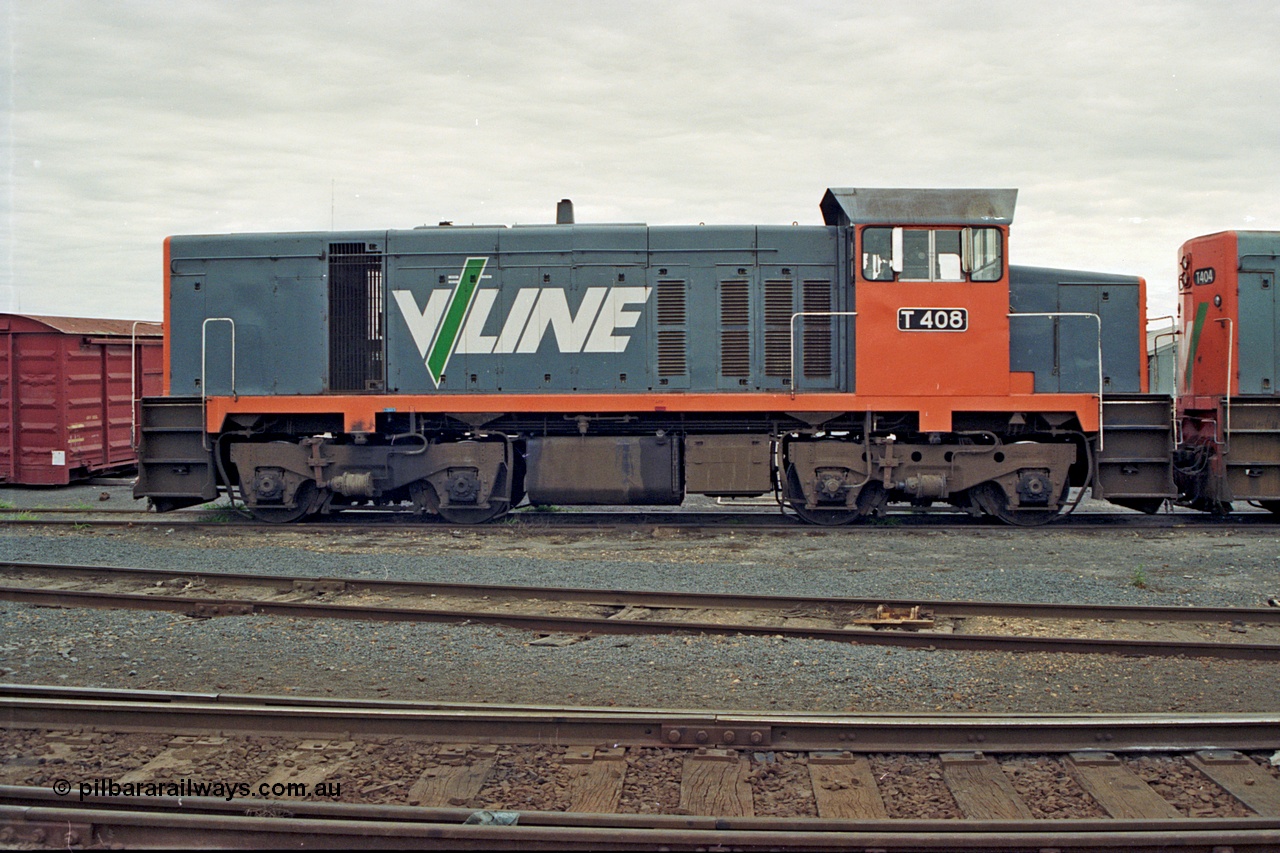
column 880, row 206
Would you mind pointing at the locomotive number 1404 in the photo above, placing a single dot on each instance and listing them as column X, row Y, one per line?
column 933, row 319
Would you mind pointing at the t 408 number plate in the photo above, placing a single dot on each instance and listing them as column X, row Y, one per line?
column 933, row 319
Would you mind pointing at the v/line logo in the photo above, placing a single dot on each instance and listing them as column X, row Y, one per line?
column 453, row 321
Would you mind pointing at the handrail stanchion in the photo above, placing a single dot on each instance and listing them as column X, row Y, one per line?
column 204, row 385
column 1097, row 320
column 1226, row 396
column 793, row 335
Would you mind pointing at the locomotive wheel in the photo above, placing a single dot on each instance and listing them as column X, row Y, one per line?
column 284, row 515
column 990, row 498
column 473, row 515
column 1148, row 505
column 824, row 517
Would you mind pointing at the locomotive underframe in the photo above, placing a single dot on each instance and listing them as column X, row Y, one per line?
column 828, row 467
column 864, row 476
column 471, row 474
column 1230, row 452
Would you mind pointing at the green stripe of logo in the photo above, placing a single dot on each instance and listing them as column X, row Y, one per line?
column 459, row 305
column 1202, row 311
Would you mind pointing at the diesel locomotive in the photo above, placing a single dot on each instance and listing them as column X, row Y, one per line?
column 892, row 355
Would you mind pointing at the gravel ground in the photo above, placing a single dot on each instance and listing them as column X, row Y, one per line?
column 491, row 664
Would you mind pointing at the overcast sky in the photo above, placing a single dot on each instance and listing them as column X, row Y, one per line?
column 1127, row 127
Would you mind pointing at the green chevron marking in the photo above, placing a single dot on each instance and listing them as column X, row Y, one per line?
column 1202, row 311
column 463, row 293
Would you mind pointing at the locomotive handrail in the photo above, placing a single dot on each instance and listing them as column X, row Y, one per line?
column 1098, row 320
column 793, row 335
column 578, row 251
column 133, row 386
column 204, row 386
column 1226, row 396
column 1175, row 333
column 311, row 256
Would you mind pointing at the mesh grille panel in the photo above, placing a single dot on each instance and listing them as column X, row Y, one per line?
column 355, row 318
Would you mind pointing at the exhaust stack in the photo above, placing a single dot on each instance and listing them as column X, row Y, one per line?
column 564, row 212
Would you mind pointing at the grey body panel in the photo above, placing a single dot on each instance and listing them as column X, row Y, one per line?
column 273, row 286
column 569, row 308
column 1063, row 352
column 1259, row 310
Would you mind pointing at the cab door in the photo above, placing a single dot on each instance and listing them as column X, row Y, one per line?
column 1258, row 332
column 933, row 306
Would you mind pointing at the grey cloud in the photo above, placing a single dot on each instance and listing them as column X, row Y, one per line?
column 1127, row 127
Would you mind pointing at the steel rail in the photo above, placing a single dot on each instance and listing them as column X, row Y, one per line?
column 655, row 599
column 863, row 733
column 153, row 825
column 39, row 816
column 744, row 521
column 590, row 626
column 29, row 796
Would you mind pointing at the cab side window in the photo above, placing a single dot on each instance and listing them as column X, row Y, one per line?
column 932, row 254
column 988, row 262
column 877, row 254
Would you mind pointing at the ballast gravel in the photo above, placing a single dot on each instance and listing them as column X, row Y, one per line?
column 488, row 664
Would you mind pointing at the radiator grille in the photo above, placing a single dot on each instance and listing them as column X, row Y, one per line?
column 672, row 342
column 671, row 353
column 671, row 303
column 355, row 318
column 817, row 330
column 735, row 332
column 778, row 307
column 734, row 303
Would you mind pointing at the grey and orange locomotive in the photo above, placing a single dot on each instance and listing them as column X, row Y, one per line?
column 890, row 356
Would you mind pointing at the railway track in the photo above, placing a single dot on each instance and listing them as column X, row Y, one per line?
column 757, row 520
column 396, row 774
column 566, row 614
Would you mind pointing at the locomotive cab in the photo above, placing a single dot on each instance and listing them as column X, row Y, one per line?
column 929, row 271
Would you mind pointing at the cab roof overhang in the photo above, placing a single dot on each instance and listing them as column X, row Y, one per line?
column 880, row 206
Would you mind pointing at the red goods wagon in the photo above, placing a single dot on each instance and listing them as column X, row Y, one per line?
column 69, row 387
